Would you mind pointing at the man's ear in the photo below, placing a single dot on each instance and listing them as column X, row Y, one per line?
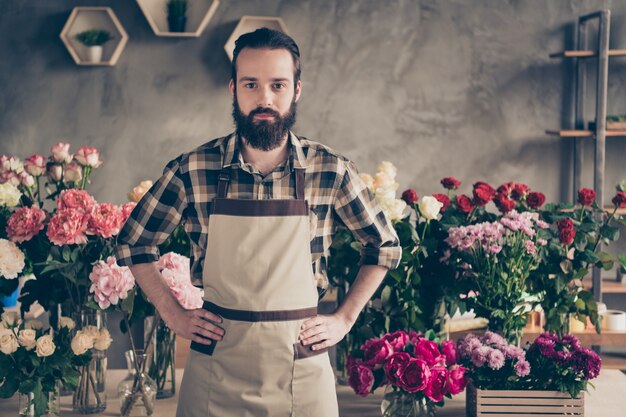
column 231, row 87
column 298, row 90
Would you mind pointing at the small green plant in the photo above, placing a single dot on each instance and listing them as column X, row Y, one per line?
column 177, row 8
column 612, row 118
column 94, row 37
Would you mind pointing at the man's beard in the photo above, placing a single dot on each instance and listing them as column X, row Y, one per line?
column 263, row 134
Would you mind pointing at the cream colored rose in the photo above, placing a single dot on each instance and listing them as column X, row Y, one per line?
column 429, row 207
column 66, row 322
column 9, row 195
column 388, row 168
column 394, row 209
column 103, row 340
column 45, row 346
column 91, row 330
column 8, row 341
column 368, row 180
column 382, row 180
column 137, row 192
column 384, row 196
column 10, row 319
column 27, row 338
column 81, row 343
column 12, row 260
column 33, row 324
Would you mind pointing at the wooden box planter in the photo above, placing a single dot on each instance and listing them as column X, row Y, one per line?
column 514, row 403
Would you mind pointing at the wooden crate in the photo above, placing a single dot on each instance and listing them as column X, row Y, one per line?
column 513, row 403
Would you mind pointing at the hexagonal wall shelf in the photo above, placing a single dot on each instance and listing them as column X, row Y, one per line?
column 85, row 18
column 250, row 24
column 199, row 12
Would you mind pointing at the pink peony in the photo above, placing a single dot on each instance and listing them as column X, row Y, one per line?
column 61, row 153
column 415, row 377
column 25, row 223
column 176, row 273
column 428, row 351
column 110, row 283
column 188, row 296
column 127, row 208
column 438, row 383
column 457, row 380
column 35, row 165
column 397, row 339
column 361, row 379
column 105, row 220
column 394, row 368
column 449, row 350
column 176, row 263
column 376, row 353
column 76, row 199
column 67, row 227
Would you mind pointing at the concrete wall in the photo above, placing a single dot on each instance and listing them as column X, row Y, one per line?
column 450, row 87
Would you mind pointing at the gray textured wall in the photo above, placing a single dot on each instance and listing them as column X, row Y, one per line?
column 452, row 87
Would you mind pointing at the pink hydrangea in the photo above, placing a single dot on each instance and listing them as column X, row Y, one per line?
column 76, row 199
column 105, row 220
column 67, row 227
column 176, row 273
column 25, row 223
column 110, row 282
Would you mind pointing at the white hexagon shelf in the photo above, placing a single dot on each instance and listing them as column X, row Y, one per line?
column 199, row 12
column 250, row 24
column 85, row 18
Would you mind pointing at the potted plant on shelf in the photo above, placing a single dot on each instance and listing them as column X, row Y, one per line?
column 177, row 15
column 93, row 39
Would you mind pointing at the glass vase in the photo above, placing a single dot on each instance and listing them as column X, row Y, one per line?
column 28, row 404
column 398, row 403
column 161, row 357
column 342, row 349
column 90, row 394
column 137, row 391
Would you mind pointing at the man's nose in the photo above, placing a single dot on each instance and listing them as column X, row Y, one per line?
column 266, row 98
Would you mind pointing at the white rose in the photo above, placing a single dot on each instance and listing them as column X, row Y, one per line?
column 10, row 319
column 12, row 259
column 368, row 180
column 13, row 164
column 394, row 209
column 103, row 340
column 8, row 341
column 384, row 196
column 429, row 207
column 10, row 195
column 66, row 322
column 81, row 343
column 382, row 180
column 137, row 192
column 45, row 346
column 27, row 338
column 33, row 324
column 388, row 168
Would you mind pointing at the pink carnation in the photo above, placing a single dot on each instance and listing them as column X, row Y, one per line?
column 105, row 220
column 25, row 223
column 68, row 227
column 76, row 199
column 127, row 208
column 110, row 283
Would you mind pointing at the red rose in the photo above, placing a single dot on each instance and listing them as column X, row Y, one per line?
column 438, row 384
column 586, row 196
column 504, row 203
column 394, row 368
column 361, row 379
column 464, row 203
column 376, row 353
column 620, row 199
column 415, row 337
column 448, row 348
column 415, row 377
column 450, row 183
column 565, row 224
column 483, row 193
column 457, row 381
column 397, row 340
column 443, row 199
column 567, row 232
column 428, row 351
column 410, row 196
column 506, row 188
column 535, row 200
column 519, row 191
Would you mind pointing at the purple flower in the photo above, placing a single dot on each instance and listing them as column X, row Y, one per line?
column 545, row 346
column 562, row 357
column 496, row 359
column 572, row 342
column 522, row 368
column 494, row 339
column 480, row 355
column 588, row 362
column 513, row 352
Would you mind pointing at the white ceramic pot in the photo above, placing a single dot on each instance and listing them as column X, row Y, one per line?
column 94, row 54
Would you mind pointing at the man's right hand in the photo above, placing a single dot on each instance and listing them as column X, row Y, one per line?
column 198, row 325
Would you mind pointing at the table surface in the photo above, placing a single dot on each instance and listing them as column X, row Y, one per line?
column 607, row 400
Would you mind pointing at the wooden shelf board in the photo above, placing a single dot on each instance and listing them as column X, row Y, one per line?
column 586, row 54
column 609, row 286
column 199, row 13
column 588, row 338
column 584, row 133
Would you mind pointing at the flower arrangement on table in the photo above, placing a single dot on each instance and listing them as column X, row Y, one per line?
column 34, row 361
column 418, row 370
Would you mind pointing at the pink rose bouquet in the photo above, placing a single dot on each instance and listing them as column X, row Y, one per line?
column 411, row 365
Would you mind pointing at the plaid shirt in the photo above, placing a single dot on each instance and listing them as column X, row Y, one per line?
column 337, row 197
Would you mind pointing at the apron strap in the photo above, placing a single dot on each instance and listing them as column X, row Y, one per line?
column 223, row 182
column 299, row 178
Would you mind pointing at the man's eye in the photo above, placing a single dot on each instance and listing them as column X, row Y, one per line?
column 249, row 85
column 279, row 86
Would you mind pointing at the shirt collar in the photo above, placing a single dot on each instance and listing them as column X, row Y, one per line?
column 232, row 152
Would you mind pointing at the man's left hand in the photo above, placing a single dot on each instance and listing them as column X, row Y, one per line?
column 323, row 331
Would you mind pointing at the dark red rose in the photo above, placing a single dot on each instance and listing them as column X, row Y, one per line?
column 428, row 351
column 483, row 193
column 410, row 196
column 443, row 199
column 567, row 232
column 535, row 200
column 448, row 348
column 506, row 188
column 464, row 203
column 361, row 379
column 457, row 381
column 376, row 353
column 394, row 368
column 620, row 199
column 397, row 340
column 586, row 196
column 565, row 224
column 504, row 203
column 438, row 384
column 415, row 377
column 519, row 191
column 450, row 183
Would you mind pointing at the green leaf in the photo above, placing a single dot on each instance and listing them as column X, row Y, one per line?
column 127, row 304
column 385, row 295
column 28, row 385
column 609, row 232
column 566, row 266
column 9, row 386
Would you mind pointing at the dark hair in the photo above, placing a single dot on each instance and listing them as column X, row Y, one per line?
column 265, row 38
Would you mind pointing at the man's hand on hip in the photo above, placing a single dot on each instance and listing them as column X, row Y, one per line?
column 197, row 325
column 323, row 331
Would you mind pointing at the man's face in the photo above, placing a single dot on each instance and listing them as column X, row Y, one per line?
column 264, row 96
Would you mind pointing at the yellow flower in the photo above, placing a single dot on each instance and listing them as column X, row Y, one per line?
column 137, row 192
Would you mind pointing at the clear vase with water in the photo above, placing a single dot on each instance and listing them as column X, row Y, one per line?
column 137, row 391
column 398, row 403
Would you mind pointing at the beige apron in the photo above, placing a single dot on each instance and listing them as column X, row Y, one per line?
column 258, row 278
